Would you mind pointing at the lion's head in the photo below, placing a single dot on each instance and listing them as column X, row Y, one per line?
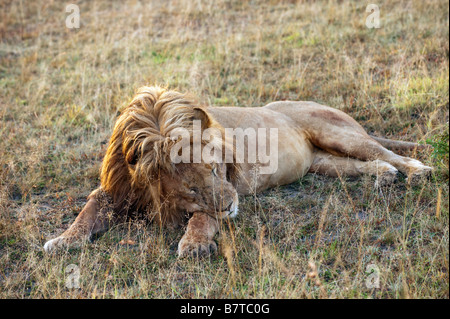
column 138, row 170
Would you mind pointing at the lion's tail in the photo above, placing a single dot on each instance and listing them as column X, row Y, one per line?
column 400, row 147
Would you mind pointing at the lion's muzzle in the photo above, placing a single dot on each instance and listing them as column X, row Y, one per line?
column 231, row 211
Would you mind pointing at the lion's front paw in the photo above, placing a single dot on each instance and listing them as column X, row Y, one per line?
column 190, row 247
column 55, row 244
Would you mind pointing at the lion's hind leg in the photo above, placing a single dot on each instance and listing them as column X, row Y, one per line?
column 356, row 143
column 331, row 165
column 338, row 133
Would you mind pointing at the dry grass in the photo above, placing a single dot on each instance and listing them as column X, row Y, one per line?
column 60, row 90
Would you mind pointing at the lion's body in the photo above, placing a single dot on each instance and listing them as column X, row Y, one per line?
column 138, row 175
column 295, row 152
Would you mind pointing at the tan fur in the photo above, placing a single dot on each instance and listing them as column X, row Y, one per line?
column 198, row 238
column 138, row 175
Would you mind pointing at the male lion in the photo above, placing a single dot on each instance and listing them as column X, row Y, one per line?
column 138, row 175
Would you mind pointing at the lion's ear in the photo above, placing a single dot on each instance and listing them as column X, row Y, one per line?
column 200, row 114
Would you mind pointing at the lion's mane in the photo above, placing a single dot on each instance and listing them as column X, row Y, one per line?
column 139, row 150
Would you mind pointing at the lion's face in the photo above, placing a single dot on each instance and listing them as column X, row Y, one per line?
column 201, row 188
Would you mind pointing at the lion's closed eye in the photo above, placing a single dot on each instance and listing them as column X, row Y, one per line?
column 132, row 157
